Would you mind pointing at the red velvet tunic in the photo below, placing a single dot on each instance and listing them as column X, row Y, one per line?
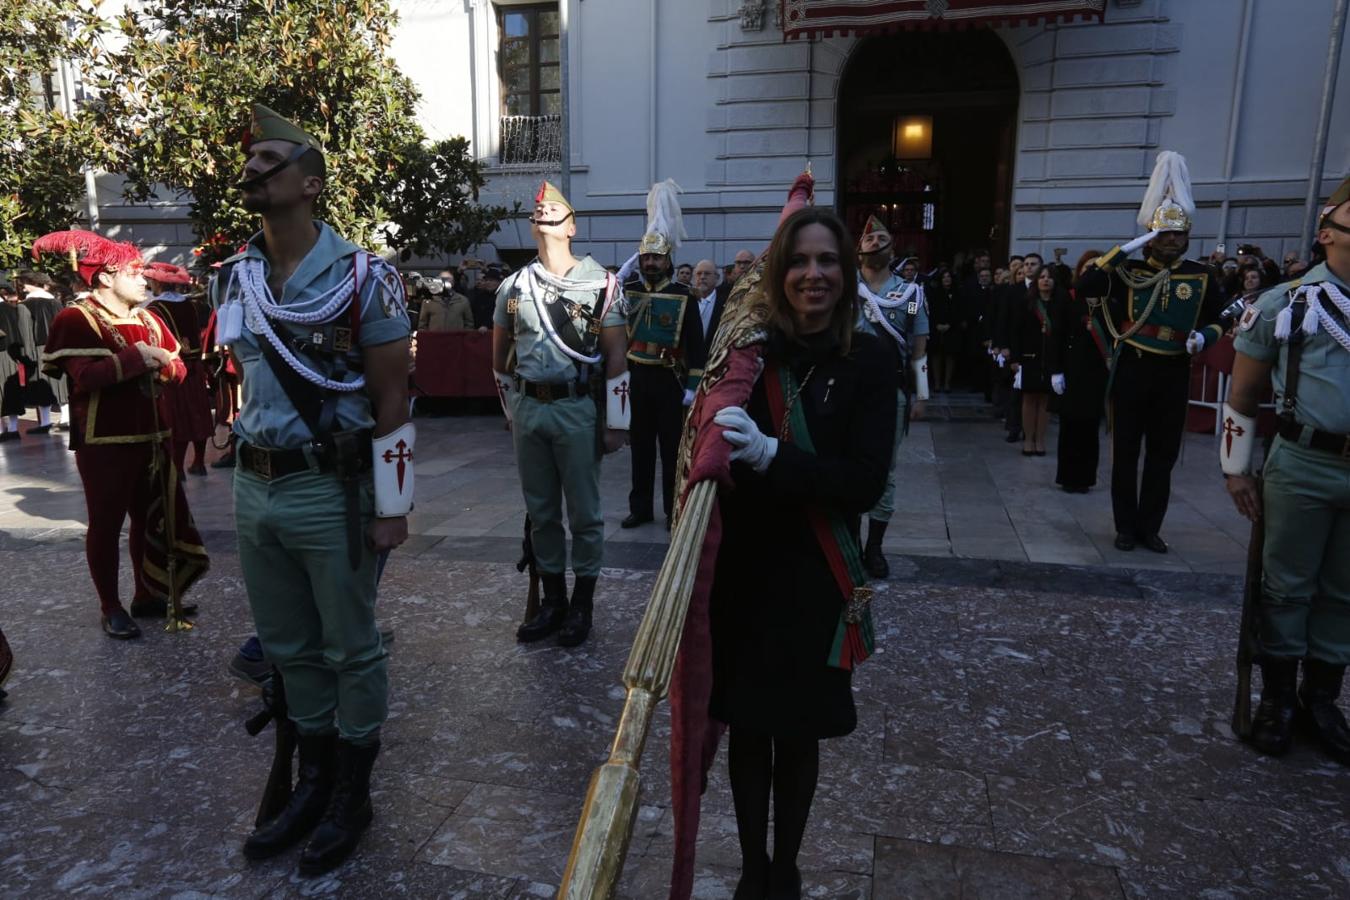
column 110, row 385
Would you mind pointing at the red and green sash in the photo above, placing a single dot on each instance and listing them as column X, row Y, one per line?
column 1042, row 316
column 854, row 638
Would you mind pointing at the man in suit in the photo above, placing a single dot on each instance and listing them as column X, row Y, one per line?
column 712, row 298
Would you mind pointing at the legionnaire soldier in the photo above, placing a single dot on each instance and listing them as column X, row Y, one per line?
column 666, row 354
column 894, row 309
column 118, row 359
column 324, row 480
column 1158, row 312
column 1298, row 336
column 558, row 346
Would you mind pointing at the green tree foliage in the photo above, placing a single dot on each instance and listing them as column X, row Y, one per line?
column 41, row 148
column 175, row 100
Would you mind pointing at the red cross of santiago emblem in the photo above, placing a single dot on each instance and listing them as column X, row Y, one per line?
column 404, row 456
column 1231, row 429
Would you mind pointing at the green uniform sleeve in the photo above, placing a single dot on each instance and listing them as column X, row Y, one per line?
column 384, row 313
column 1256, row 332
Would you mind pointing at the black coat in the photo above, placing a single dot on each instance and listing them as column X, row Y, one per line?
column 1076, row 353
column 1031, row 344
column 775, row 604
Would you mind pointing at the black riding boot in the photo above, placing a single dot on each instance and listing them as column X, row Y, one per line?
column 552, row 609
column 576, row 625
column 1273, row 724
column 348, row 813
column 874, row 561
column 1318, row 711
column 308, row 800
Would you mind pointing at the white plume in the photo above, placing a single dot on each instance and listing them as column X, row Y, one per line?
column 664, row 216
column 1171, row 180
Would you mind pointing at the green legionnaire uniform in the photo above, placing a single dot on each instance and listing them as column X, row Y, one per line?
column 666, row 355
column 1157, row 314
column 1302, row 329
column 557, row 399
column 898, row 315
column 308, row 485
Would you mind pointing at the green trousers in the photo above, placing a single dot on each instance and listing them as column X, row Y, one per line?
column 556, row 455
column 1306, row 600
column 315, row 615
column 885, row 507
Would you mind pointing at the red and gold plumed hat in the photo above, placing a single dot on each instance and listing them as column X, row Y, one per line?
column 89, row 253
column 167, row 273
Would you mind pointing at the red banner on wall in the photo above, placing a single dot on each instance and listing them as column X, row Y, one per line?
column 824, row 18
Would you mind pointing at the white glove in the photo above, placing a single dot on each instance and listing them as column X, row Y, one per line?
column 627, row 269
column 750, row 444
column 1057, row 383
column 1017, row 381
column 688, row 397
column 1001, row 360
column 1138, row 242
column 1195, row 343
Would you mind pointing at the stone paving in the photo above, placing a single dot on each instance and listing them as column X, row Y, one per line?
column 1046, row 717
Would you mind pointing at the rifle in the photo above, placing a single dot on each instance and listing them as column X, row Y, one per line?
column 1249, row 635
column 278, row 791
column 527, row 562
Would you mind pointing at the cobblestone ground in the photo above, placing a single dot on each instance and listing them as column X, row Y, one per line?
column 1046, row 717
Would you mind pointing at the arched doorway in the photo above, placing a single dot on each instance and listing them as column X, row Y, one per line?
column 927, row 130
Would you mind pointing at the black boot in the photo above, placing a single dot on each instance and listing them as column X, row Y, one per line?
column 312, row 791
column 1273, row 724
column 1318, row 712
column 874, row 561
column 577, row 624
column 754, row 881
column 552, row 608
column 348, row 814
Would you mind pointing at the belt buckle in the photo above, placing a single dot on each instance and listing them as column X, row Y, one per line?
column 1165, row 332
column 543, row 392
column 260, row 461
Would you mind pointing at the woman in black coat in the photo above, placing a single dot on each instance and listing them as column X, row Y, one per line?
column 813, row 446
column 1031, row 332
column 1078, row 360
column 945, row 338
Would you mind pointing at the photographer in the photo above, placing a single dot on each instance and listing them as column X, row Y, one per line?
column 442, row 308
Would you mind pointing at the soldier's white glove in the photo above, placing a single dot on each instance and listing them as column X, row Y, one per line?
column 1057, row 382
column 749, row 444
column 1017, row 380
column 1138, row 242
column 1195, row 343
column 627, row 269
column 688, row 397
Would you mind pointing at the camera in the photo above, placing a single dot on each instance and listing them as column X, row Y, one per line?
column 423, row 284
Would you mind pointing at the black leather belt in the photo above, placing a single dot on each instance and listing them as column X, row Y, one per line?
column 1325, row 441
column 270, row 465
column 548, row 391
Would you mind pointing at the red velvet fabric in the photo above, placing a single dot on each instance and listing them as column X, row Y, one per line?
column 454, row 364
column 694, row 736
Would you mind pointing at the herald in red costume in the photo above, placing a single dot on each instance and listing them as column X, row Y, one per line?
column 189, row 402
column 119, row 432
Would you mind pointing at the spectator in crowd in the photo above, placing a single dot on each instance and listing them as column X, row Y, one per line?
column 743, row 261
column 1000, row 276
column 684, row 274
column 1290, row 261
column 483, row 297
column 712, row 298
column 442, row 308
column 1078, row 360
column 1252, row 281
column 945, row 342
column 1030, row 334
column 974, row 308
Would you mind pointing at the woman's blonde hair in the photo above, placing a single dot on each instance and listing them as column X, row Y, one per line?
column 779, row 260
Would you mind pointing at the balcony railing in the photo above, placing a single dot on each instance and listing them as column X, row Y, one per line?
column 530, row 141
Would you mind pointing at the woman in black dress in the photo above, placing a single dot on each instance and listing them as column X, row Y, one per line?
column 946, row 337
column 1078, row 360
column 811, row 455
column 1030, row 334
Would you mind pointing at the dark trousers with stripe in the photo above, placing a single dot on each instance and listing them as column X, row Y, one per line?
column 1149, row 399
column 658, row 416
